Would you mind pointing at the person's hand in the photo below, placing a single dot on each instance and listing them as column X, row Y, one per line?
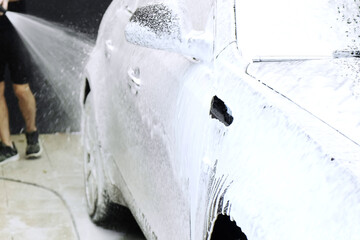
column 4, row 4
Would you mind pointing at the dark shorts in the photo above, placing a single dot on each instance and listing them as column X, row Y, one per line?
column 13, row 53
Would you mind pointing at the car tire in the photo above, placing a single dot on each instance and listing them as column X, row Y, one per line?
column 102, row 211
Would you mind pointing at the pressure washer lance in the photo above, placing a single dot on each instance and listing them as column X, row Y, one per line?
column 346, row 54
column 335, row 54
column 3, row 10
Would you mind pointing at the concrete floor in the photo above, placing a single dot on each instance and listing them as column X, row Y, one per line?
column 44, row 198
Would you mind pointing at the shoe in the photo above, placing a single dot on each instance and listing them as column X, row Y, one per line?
column 34, row 148
column 8, row 154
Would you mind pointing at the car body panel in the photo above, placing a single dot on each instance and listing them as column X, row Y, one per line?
column 271, row 170
column 286, row 153
column 331, row 94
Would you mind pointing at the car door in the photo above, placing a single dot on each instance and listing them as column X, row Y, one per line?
column 147, row 88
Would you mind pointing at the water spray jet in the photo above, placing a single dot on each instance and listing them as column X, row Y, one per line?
column 60, row 54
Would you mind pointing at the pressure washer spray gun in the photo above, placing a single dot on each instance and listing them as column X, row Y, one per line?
column 2, row 10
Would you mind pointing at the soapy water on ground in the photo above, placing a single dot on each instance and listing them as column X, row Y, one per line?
column 60, row 54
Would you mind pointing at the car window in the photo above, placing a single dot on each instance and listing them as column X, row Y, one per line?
column 297, row 28
column 199, row 12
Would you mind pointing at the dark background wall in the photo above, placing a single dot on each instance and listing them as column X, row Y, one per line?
column 81, row 15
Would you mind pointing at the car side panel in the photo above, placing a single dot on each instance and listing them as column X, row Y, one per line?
column 140, row 124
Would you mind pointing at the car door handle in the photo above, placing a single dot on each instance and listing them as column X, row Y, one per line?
column 134, row 80
column 134, row 76
column 109, row 48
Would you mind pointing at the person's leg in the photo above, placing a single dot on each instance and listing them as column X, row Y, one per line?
column 4, row 117
column 27, row 105
column 4, row 114
column 19, row 71
column 8, row 151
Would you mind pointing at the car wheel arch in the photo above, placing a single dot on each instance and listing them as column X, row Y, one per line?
column 87, row 90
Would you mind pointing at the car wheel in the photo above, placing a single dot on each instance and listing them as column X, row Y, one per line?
column 101, row 209
column 94, row 189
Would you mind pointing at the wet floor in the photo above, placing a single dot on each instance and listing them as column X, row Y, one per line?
column 44, row 198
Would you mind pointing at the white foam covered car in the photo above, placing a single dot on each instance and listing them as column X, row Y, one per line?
column 199, row 141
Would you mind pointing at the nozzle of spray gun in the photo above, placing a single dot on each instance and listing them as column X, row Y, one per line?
column 3, row 10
